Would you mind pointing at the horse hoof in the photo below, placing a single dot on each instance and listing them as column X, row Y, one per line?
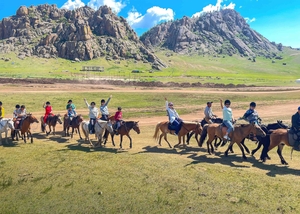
column 268, row 158
column 226, row 154
column 245, row 158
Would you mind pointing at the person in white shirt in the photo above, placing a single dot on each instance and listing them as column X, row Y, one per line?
column 209, row 115
column 93, row 115
column 227, row 117
column 174, row 118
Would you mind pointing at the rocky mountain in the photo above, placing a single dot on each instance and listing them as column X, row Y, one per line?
column 220, row 32
column 47, row 31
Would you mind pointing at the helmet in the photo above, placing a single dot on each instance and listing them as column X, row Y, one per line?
column 227, row 102
column 48, row 103
column 119, row 108
column 253, row 104
column 17, row 106
column 93, row 103
column 102, row 101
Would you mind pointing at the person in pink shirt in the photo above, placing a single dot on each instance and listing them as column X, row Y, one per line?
column 118, row 119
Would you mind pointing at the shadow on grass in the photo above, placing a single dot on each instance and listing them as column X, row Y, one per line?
column 10, row 143
column 272, row 169
column 180, row 150
column 76, row 147
column 51, row 138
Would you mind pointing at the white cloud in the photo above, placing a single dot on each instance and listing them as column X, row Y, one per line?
column 248, row 20
column 71, row 5
column 153, row 16
column 116, row 6
column 240, row 6
column 211, row 8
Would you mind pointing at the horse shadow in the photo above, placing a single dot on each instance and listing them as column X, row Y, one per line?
column 56, row 138
column 232, row 159
column 178, row 150
column 77, row 147
column 10, row 144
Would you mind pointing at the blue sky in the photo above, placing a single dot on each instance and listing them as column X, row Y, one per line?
column 277, row 20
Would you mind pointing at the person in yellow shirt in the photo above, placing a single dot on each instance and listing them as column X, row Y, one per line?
column 2, row 111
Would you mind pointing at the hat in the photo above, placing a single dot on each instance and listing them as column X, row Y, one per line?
column 170, row 103
column 299, row 108
column 209, row 102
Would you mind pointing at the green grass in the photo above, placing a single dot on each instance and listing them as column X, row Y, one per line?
column 181, row 68
column 54, row 175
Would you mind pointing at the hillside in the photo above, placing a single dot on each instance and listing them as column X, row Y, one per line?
column 222, row 32
column 82, row 34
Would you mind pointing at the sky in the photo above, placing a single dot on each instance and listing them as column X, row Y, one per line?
column 277, row 20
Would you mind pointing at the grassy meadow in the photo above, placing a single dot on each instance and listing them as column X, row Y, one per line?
column 55, row 175
column 181, row 68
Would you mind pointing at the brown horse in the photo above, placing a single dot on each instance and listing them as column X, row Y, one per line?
column 52, row 120
column 125, row 129
column 279, row 138
column 237, row 136
column 75, row 125
column 185, row 128
column 25, row 127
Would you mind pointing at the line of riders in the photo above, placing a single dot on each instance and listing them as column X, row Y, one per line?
column 20, row 114
column 251, row 116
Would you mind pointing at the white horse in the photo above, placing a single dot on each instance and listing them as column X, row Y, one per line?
column 100, row 127
column 5, row 124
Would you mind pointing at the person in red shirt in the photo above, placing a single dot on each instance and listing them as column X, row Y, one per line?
column 118, row 119
column 48, row 111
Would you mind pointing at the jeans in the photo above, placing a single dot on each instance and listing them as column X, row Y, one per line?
column 104, row 117
column 177, row 124
column 229, row 125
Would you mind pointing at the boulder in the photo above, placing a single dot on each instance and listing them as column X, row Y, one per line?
column 22, row 11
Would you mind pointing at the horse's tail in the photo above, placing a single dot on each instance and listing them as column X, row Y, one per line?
column 42, row 124
column 85, row 132
column 203, row 135
column 156, row 133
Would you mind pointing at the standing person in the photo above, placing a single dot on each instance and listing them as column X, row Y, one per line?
column 227, row 117
column 296, row 128
column 174, row 118
column 118, row 119
column 251, row 114
column 208, row 113
column 93, row 115
column 71, row 114
column 2, row 111
column 16, row 112
column 48, row 111
column 104, row 109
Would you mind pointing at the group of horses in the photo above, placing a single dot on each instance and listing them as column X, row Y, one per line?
column 269, row 136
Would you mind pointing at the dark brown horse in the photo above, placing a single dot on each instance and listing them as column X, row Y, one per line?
column 25, row 128
column 125, row 128
column 185, row 128
column 75, row 125
column 52, row 120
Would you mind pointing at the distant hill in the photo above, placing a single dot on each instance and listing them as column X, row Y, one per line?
column 82, row 34
column 222, row 32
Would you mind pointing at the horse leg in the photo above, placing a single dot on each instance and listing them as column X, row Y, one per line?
column 79, row 133
column 179, row 141
column 0, row 139
column 6, row 136
column 189, row 137
column 208, row 144
column 246, row 148
column 31, row 138
column 257, row 148
column 130, row 141
column 24, row 138
column 242, row 149
column 230, row 146
column 165, row 137
column 49, row 130
column 279, row 152
column 112, row 139
column 72, row 132
column 53, row 130
column 121, row 139
column 160, row 137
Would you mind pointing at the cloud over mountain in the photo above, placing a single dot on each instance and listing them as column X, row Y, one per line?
column 211, row 8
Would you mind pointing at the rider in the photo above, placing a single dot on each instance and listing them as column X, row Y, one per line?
column 21, row 114
column 70, row 103
column 174, row 118
column 2, row 111
column 16, row 112
column 251, row 114
column 48, row 111
column 209, row 115
column 118, row 119
column 227, row 117
column 71, row 114
column 93, row 115
column 296, row 127
column 104, row 109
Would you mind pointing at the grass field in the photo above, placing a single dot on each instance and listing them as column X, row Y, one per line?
column 208, row 69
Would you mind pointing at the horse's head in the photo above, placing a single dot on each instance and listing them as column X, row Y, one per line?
column 32, row 119
column 136, row 127
column 281, row 124
column 59, row 119
column 257, row 130
column 79, row 118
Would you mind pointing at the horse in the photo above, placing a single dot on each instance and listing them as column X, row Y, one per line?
column 185, row 128
column 237, row 136
column 25, row 128
column 52, row 120
column 125, row 128
column 75, row 125
column 5, row 124
column 203, row 122
column 100, row 126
